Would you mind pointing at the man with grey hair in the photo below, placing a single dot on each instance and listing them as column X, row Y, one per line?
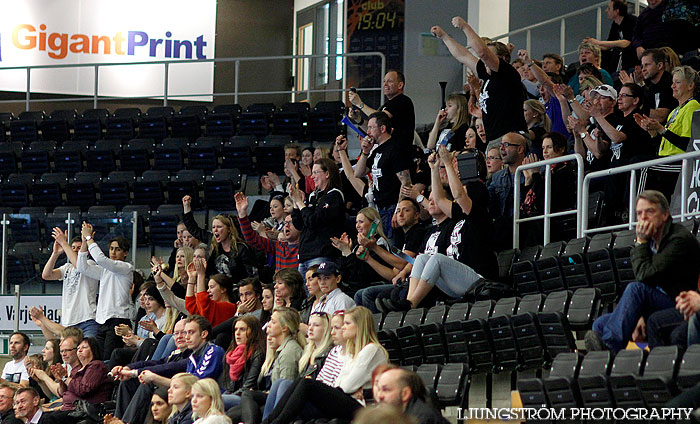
column 665, row 263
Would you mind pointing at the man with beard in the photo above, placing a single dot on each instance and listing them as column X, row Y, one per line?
column 15, row 372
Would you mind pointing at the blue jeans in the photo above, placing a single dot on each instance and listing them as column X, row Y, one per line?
column 89, row 328
column 694, row 329
column 230, row 400
column 166, row 346
column 278, row 389
column 365, row 297
column 386, row 213
column 638, row 300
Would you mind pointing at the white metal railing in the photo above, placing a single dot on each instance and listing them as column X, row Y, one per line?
column 71, row 220
column 548, row 215
column 166, row 68
column 598, row 7
column 632, row 169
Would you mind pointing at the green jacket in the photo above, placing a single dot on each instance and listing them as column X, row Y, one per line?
column 287, row 362
column 676, row 264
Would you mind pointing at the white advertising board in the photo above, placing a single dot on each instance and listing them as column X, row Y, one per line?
column 62, row 32
column 51, row 305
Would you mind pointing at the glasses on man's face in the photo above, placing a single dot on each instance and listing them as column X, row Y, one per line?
column 507, row 144
column 625, row 95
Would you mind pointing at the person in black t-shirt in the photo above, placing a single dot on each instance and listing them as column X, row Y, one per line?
column 594, row 145
column 658, row 96
column 398, row 107
column 388, row 165
column 455, row 112
column 469, row 254
column 617, row 52
column 502, row 94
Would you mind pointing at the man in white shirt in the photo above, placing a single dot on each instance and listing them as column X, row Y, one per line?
column 116, row 277
column 27, row 406
column 79, row 300
column 333, row 298
column 15, row 372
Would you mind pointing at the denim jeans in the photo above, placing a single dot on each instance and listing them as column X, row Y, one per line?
column 278, row 389
column 166, row 346
column 386, row 213
column 230, row 400
column 666, row 328
column 638, row 300
column 89, row 327
column 365, row 297
column 694, row 329
column 452, row 277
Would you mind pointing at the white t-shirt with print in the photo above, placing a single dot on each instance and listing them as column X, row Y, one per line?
column 15, row 371
column 79, row 297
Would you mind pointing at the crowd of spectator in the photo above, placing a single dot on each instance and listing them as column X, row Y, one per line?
column 269, row 318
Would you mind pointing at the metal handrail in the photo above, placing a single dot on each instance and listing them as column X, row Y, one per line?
column 632, row 168
column 598, row 7
column 166, row 65
column 547, row 197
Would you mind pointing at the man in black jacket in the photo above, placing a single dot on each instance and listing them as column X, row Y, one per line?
column 134, row 395
column 665, row 263
column 405, row 390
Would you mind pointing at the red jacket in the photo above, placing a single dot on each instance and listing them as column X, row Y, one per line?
column 215, row 312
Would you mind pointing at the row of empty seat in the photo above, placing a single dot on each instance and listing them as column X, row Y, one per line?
column 139, row 155
column 121, row 188
column 632, row 379
column 487, row 336
column 299, row 120
column 601, row 262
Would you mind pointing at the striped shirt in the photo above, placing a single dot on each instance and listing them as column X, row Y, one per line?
column 286, row 254
column 332, row 366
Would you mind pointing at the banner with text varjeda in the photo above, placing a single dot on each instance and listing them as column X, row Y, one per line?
column 51, row 305
column 62, row 32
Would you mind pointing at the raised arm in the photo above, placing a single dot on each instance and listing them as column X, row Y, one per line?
column 433, row 135
column 459, row 193
column 357, row 183
column 438, row 192
column 477, row 44
column 117, row 267
column 49, row 273
column 538, row 72
column 458, row 51
column 366, row 144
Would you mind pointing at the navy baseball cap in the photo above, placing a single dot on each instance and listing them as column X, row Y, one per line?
column 327, row 268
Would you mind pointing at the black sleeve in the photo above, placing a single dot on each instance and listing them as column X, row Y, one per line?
column 414, row 240
column 250, row 381
column 171, row 262
column 677, row 140
column 202, row 235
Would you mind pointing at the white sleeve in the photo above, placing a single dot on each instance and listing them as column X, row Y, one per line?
column 361, row 368
column 173, row 300
column 86, row 268
column 117, row 267
column 63, row 269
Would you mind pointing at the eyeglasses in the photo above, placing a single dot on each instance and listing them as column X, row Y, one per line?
column 507, row 144
column 493, row 158
column 67, row 350
column 624, row 95
column 339, row 312
column 319, row 313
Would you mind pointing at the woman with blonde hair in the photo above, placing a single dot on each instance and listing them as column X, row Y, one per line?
column 207, row 405
column 179, row 395
column 456, row 114
column 363, row 353
column 363, row 266
column 538, row 124
column 318, row 344
column 285, row 347
column 228, row 253
column 173, row 289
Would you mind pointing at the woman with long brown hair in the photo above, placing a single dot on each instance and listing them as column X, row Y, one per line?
column 243, row 359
